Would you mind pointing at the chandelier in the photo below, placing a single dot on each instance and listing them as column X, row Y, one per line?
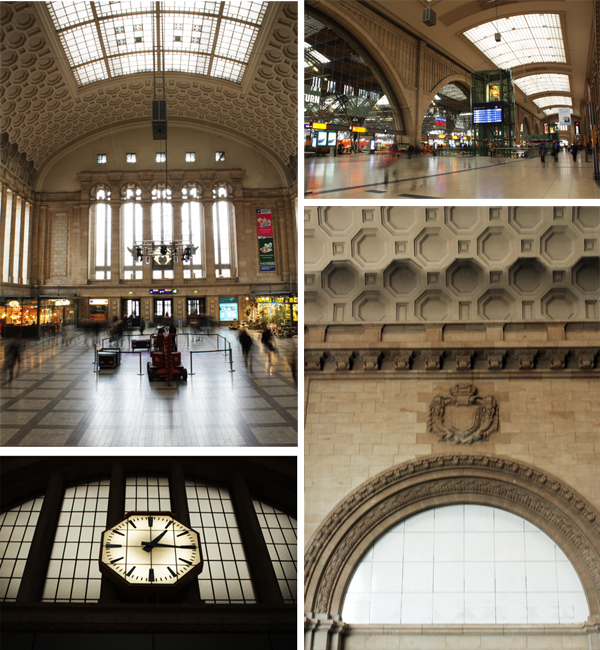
column 163, row 252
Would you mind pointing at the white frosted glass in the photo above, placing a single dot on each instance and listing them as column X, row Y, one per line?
column 566, row 576
column 506, row 521
column 479, row 519
column 511, row 608
column 387, row 577
column 542, row 608
column 479, row 547
column 418, row 609
column 417, row 577
column 384, row 609
column 389, row 547
column 448, row 608
column 479, row 577
column 539, row 547
column 509, row 547
column 357, row 608
column 510, row 577
column 448, row 547
column 449, row 577
column 572, row 607
column 423, row 522
column 480, row 608
column 361, row 580
column 541, row 576
column 448, row 519
column 418, row 546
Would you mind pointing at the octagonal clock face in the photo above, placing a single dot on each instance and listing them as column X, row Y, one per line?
column 150, row 551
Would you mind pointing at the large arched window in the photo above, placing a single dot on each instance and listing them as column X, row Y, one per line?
column 465, row 564
column 101, row 228
column 132, row 229
column 227, row 518
column 224, row 231
column 192, row 229
column 162, row 228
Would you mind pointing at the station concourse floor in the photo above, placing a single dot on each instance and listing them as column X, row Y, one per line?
column 359, row 176
column 59, row 401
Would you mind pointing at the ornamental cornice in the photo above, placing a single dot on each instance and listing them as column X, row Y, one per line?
column 388, row 359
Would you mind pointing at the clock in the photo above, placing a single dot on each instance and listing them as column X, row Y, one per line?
column 150, row 552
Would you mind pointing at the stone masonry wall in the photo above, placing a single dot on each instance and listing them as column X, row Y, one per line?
column 357, row 427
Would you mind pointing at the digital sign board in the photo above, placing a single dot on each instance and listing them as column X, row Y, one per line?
column 439, row 121
column 331, row 138
column 487, row 113
column 321, row 139
column 228, row 309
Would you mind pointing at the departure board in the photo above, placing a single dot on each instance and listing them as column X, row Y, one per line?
column 488, row 113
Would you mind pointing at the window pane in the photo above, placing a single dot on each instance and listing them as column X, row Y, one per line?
column 465, row 564
column 76, row 561
column 279, row 531
column 7, row 235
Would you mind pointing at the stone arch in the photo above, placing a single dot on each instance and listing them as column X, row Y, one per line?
column 428, row 98
column 362, row 40
column 526, row 125
column 382, row 502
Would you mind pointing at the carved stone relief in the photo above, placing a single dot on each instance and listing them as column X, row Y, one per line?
column 463, row 418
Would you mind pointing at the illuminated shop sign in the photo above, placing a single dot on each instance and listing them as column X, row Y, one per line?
column 359, row 129
column 228, row 309
column 61, row 303
column 439, row 121
column 98, row 301
column 319, row 125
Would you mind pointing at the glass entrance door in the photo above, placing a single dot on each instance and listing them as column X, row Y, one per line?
column 163, row 310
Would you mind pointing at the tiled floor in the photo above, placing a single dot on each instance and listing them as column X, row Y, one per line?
column 58, row 400
column 360, row 177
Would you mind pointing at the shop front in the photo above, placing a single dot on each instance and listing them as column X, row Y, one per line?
column 273, row 311
column 36, row 317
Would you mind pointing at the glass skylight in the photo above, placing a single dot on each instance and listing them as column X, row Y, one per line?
column 544, row 102
column 526, row 39
column 110, row 39
column 310, row 52
column 543, row 83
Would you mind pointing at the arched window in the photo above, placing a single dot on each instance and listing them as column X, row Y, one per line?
column 132, row 229
column 162, row 231
column 465, row 564
column 224, row 231
column 100, row 229
column 192, row 229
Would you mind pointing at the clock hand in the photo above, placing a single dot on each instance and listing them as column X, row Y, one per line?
column 170, row 545
column 148, row 546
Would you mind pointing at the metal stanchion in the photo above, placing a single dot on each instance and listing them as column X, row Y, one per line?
column 191, row 363
column 95, row 362
column 230, row 360
column 140, row 373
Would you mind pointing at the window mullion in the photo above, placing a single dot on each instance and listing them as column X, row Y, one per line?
column 36, row 568
column 259, row 562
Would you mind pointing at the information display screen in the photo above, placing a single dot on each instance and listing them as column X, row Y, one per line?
column 488, row 113
column 331, row 138
column 321, row 138
column 228, row 309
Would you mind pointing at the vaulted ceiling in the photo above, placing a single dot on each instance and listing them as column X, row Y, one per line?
column 46, row 110
column 455, row 17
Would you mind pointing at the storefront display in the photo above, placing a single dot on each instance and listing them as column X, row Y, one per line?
column 36, row 317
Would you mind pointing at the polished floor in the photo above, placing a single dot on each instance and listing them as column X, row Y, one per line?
column 58, row 400
column 360, row 176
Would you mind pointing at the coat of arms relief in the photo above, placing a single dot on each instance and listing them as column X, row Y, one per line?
column 463, row 418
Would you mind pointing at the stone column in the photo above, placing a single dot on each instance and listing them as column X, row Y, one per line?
column 322, row 632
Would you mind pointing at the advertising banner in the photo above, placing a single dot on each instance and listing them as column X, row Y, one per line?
column 266, row 254
column 266, row 249
column 228, row 309
column 564, row 116
column 265, row 223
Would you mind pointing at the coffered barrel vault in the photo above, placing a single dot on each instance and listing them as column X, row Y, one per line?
column 453, row 264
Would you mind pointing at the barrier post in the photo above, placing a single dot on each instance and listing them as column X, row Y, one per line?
column 230, row 360
column 191, row 363
column 95, row 361
column 140, row 373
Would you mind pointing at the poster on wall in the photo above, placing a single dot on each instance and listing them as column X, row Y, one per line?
column 228, row 309
column 564, row 116
column 266, row 249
